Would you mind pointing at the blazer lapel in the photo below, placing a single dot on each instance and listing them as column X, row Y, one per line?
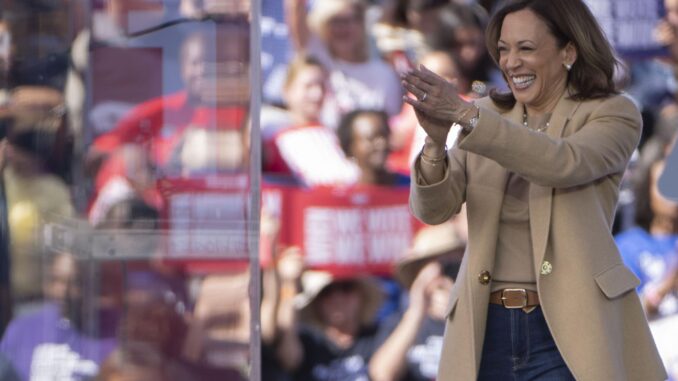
column 540, row 197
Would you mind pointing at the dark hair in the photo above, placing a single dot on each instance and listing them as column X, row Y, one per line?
column 652, row 152
column 133, row 213
column 345, row 128
column 592, row 73
column 396, row 13
column 454, row 16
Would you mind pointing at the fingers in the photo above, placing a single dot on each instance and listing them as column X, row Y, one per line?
column 429, row 77
column 412, row 78
column 414, row 90
column 416, row 103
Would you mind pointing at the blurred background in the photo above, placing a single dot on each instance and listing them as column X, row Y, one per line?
column 218, row 189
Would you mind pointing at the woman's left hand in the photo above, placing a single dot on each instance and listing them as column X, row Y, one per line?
column 435, row 96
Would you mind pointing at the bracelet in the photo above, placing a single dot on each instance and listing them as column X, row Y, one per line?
column 472, row 108
column 466, row 128
column 431, row 160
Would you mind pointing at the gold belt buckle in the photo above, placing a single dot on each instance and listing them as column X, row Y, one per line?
column 514, row 298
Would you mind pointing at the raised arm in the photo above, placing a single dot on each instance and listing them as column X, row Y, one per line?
column 389, row 362
column 600, row 147
column 297, row 24
column 289, row 349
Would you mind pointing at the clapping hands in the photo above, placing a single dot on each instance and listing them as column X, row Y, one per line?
column 436, row 102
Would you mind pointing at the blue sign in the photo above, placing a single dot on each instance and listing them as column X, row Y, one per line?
column 629, row 24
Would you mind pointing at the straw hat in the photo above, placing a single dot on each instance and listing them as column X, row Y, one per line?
column 431, row 243
column 314, row 282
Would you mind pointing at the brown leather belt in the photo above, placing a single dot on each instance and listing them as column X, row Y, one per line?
column 515, row 298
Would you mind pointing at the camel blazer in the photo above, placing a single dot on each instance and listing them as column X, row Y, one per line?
column 587, row 294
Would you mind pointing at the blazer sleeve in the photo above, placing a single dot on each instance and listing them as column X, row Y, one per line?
column 601, row 146
column 436, row 203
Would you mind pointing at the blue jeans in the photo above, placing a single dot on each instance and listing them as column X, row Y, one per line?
column 519, row 347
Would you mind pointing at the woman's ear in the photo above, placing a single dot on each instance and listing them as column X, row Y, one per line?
column 570, row 52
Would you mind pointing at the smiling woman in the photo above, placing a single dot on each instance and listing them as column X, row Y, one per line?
column 540, row 203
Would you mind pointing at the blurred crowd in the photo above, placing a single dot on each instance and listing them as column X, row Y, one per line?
column 130, row 175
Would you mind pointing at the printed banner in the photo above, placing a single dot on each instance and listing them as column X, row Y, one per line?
column 206, row 218
column 341, row 229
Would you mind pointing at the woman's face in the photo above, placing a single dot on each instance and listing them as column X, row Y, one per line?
column 340, row 303
column 369, row 144
column 470, row 46
column 345, row 35
column 532, row 61
column 306, row 93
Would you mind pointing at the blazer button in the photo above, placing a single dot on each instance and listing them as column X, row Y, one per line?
column 546, row 268
column 484, row 277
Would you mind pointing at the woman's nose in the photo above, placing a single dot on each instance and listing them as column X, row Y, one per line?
column 512, row 61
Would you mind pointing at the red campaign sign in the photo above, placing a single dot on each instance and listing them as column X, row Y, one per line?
column 206, row 218
column 354, row 228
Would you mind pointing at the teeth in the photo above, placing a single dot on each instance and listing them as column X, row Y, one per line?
column 523, row 80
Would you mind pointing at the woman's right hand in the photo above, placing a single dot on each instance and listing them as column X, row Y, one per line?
column 436, row 129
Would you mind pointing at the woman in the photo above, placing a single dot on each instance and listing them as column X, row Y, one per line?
column 427, row 271
column 304, row 150
column 364, row 137
column 335, row 33
column 650, row 248
column 326, row 331
column 539, row 170
column 405, row 29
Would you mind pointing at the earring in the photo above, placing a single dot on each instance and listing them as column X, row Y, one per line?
column 568, row 66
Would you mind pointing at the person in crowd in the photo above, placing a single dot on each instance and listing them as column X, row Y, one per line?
column 666, row 31
column 539, row 169
column 157, row 125
column 364, row 136
column 326, row 331
column 303, row 92
column 270, row 302
column 158, row 136
column 71, row 340
column 34, row 194
column 428, row 271
column 219, row 334
column 7, row 372
column 134, row 366
column 5, row 60
column 335, row 33
column 406, row 29
column 304, row 150
column 462, row 30
column 60, row 275
column 650, row 248
column 653, row 83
